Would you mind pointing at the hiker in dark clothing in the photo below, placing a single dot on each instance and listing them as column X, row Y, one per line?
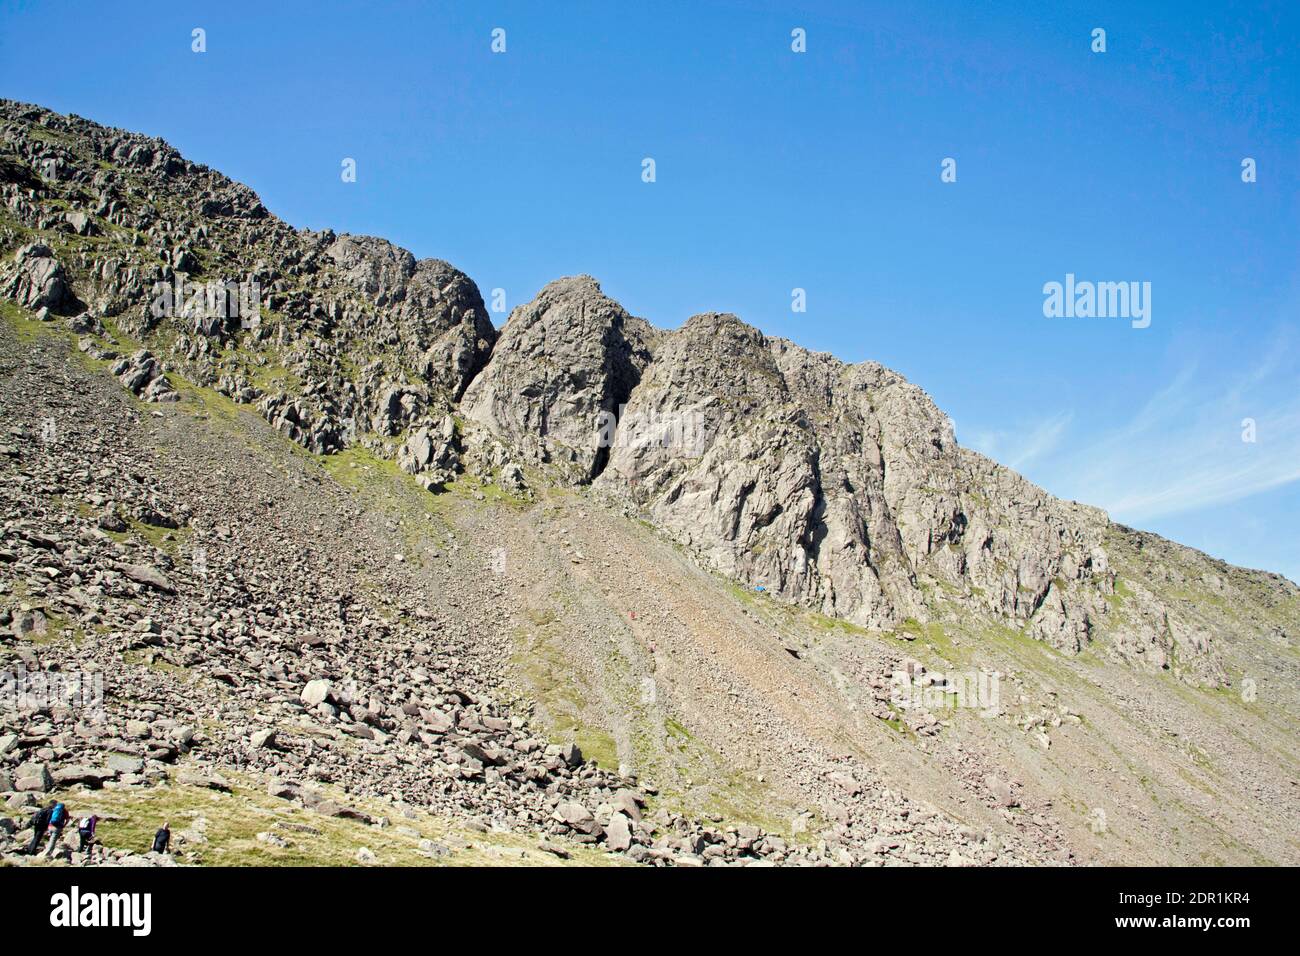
column 162, row 839
column 58, row 820
column 40, row 823
column 86, row 831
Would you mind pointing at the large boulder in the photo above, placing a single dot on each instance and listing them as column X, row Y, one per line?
column 316, row 692
column 37, row 280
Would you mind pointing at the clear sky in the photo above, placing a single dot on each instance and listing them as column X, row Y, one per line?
column 820, row 170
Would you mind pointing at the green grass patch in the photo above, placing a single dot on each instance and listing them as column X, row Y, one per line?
column 551, row 681
column 27, row 330
column 226, row 828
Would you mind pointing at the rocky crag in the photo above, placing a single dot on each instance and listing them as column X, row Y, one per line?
column 830, row 490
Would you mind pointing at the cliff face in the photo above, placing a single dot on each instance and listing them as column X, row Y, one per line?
column 838, row 487
column 565, row 360
column 842, row 487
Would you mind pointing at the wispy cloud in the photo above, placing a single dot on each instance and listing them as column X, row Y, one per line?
column 1022, row 447
column 1183, row 450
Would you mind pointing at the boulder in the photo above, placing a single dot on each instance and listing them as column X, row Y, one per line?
column 37, row 280
column 571, row 754
column 124, row 763
column 618, row 835
column 147, row 574
column 190, row 777
column 33, row 777
column 316, row 692
column 577, row 817
column 93, row 777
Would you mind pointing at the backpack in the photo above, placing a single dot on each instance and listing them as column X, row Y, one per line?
column 57, row 815
column 86, row 826
column 41, row 819
column 160, row 840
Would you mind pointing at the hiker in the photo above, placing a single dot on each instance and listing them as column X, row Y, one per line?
column 163, row 838
column 58, row 820
column 40, row 823
column 86, row 831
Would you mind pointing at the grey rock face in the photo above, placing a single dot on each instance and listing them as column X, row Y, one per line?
column 37, row 280
column 563, row 359
column 840, row 487
column 430, row 310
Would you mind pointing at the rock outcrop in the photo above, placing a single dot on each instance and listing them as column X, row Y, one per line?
column 340, row 339
column 840, row 487
column 564, row 360
column 37, row 280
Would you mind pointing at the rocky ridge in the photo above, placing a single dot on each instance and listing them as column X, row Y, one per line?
column 839, row 487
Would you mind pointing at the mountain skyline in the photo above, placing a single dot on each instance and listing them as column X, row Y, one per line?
column 818, row 171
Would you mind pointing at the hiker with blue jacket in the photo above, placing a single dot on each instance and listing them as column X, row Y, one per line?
column 58, row 820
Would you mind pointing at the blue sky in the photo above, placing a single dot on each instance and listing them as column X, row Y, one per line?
column 820, row 170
